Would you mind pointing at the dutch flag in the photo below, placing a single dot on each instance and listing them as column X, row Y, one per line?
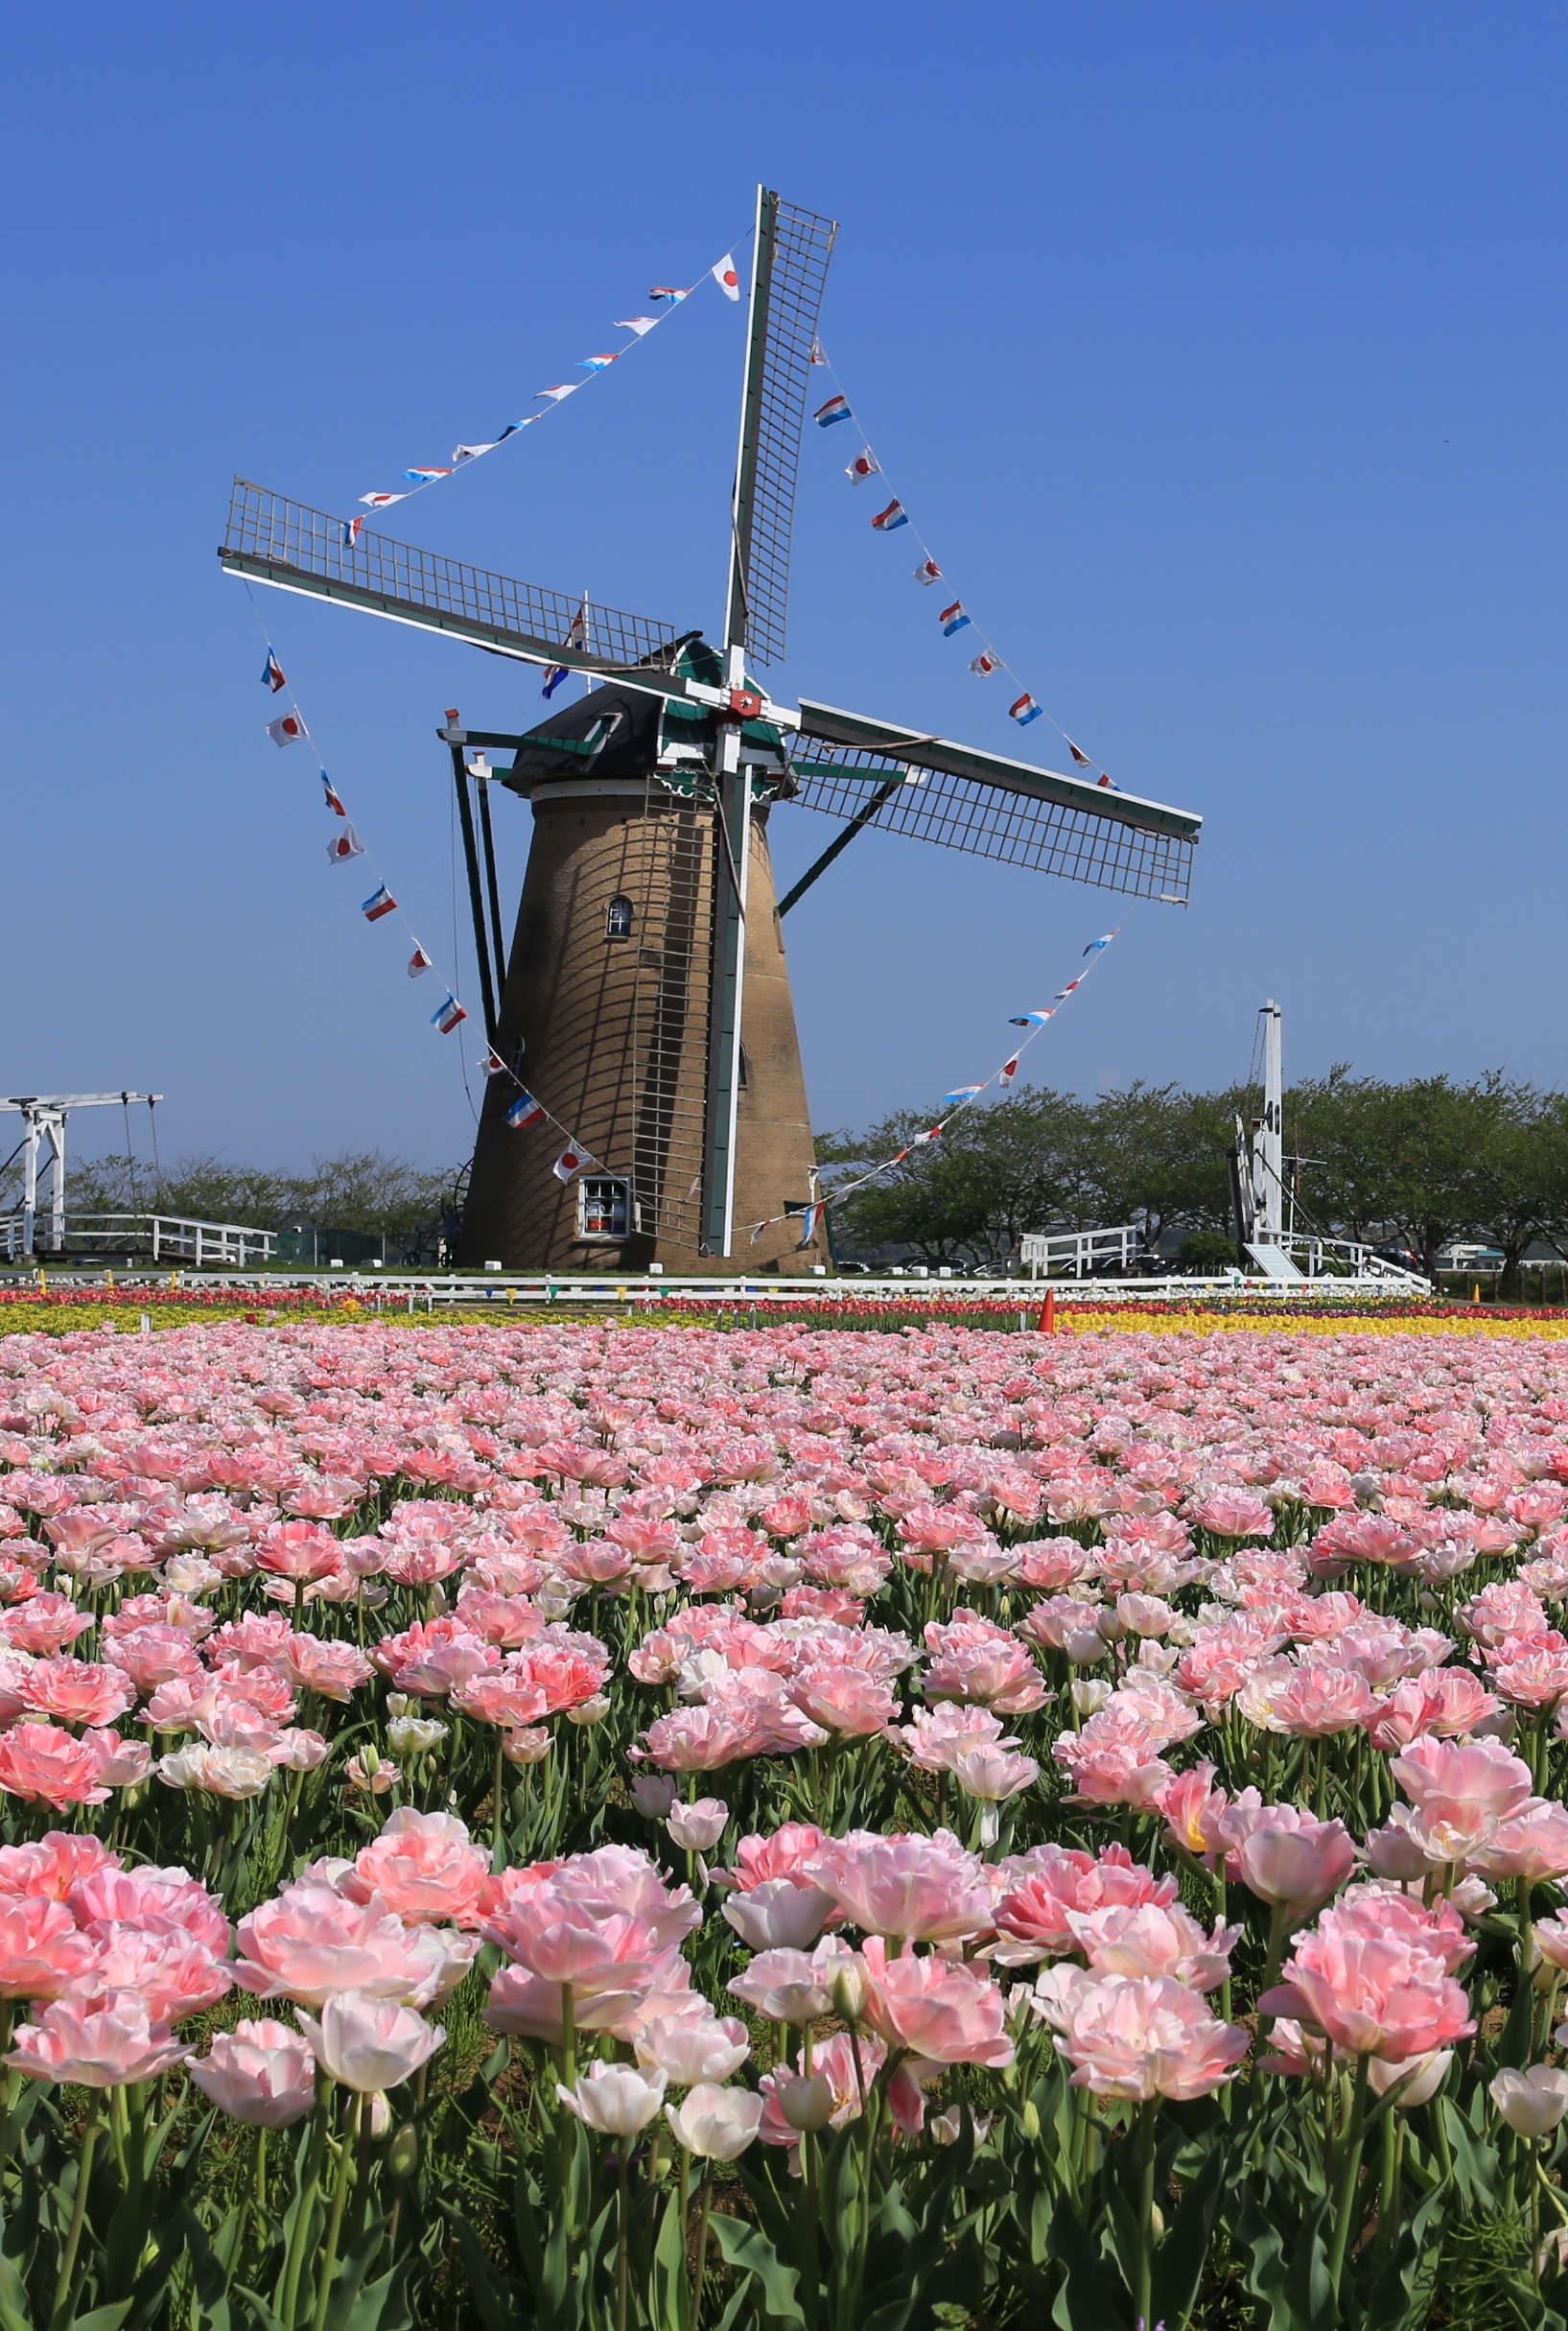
column 836, row 408
column 1032, row 1020
column 965, row 1093
column 448, row 1017
column 597, row 363
column 333, row 803
column 525, row 1111
column 426, row 477
column 380, row 901
column 1024, row 711
column 953, row 619
column 894, row 516
column 272, row 673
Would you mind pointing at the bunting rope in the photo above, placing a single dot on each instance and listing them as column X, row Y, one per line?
column 956, row 618
column 527, row 1110
column 666, row 296
column 962, row 1096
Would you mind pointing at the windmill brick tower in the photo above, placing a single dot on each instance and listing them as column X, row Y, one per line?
column 644, row 998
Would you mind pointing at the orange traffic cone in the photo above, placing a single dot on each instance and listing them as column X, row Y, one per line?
column 1047, row 1316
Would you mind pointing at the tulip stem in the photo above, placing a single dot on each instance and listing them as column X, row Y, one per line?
column 1344, row 2192
column 78, row 2202
column 701, row 2269
column 498, row 1787
column 1148, row 2115
column 334, row 2224
column 623, row 2234
column 304, row 2207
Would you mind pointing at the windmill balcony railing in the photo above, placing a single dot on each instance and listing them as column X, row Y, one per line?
column 159, row 1237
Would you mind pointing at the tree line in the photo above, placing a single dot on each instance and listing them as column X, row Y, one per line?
column 1416, row 1163
column 361, row 1191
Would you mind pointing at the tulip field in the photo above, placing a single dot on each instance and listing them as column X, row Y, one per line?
column 634, row 1828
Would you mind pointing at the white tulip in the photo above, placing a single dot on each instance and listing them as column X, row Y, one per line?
column 716, row 2123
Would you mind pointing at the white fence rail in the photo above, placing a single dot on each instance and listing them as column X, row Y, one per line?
column 1103, row 1254
column 160, row 1238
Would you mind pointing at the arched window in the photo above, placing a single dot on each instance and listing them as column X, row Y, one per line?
column 618, row 917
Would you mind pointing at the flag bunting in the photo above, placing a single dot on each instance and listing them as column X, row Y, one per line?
column 961, row 1097
column 1025, row 709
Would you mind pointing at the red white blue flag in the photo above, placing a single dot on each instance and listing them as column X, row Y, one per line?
column 448, row 1016
column 576, row 636
column 953, row 619
column 380, row 901
column 836, row 408
column 1024, row 711
column 524, row 1112
column 888, row 521
column 965, row 1093
column 272, row 673
column 287, row 729
column 810, row 1219
column 333, row 803
column 666, row 290
column 1032, row 1020
column 598, row 363
column 426, row 477
column 351, row 531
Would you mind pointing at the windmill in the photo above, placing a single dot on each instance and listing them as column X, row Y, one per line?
column 646, row 995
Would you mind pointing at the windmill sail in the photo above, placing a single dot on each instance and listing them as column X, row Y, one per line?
column 903, row 781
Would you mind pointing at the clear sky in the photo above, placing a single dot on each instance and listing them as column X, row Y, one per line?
column 1219, row 349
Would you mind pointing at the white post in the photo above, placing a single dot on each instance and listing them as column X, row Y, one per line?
column 30, row 1183
column 1268, row 1141
column 53, row 1126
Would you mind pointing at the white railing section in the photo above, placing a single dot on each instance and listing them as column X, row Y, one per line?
column 161, row 1238
column 1080, row 1254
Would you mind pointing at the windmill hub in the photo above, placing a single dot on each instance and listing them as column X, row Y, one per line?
column 646, row 996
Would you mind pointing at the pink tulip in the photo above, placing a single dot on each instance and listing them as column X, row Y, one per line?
column 49, row 1767
column 1137, row 2037
column 780, row 1914
column 158, row 1901
column 41, row 1953
column 1284, row 1855
column 1532, row 1844
column 261, row 2073
column 795, row 1985
column 1370, row 1995
column 691, row 2049
column 371, row 2043
column 173, row 1972
column 945, row 2009
column 1155, row 1940
column 1045, row 1887
column 103, row 2045
column 311, row 1943
column 54, row 1865
column 423, row 1866
column 921, row 1888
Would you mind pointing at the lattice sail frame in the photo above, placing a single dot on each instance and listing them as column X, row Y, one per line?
column 989, row 820
column 297, row 547
column 802, row 245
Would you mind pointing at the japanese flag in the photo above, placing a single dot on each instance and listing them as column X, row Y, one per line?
column 287, row 729
column 571, row 1160
column 726, row 277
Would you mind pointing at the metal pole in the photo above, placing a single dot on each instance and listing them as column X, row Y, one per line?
column 30, row 1183
column 471, row 859
column 1271, row 1143
column 487, row 840
column 54, row 1127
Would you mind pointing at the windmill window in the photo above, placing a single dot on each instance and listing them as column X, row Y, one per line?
column 604, row 1207
column 618, row 917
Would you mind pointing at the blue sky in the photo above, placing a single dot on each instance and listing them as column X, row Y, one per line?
column 1219, row 350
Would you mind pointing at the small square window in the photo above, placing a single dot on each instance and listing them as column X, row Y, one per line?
column 604, row 1207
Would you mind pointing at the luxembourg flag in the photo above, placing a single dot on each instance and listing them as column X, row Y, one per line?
column 419, row 964
column 864, row 465
column 927, row 572
column 333, row 803
column 378, row 502
column 344, row 845
column 888, row 521
column 1095, row 946
column 1024, row 711
column 727, row 277
column 287, row 729
column 524, row 1112
column 953, row 619
column 598, row 363
column 272, row 673
column 571, row 1160
column 836, row 408
column 1032, row 1020
column 666, row 290
column 1008, row 1075
column 448, row 1017
column 380, row 901
column 983, row 663
column 965, row 1093
column 426, row 477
